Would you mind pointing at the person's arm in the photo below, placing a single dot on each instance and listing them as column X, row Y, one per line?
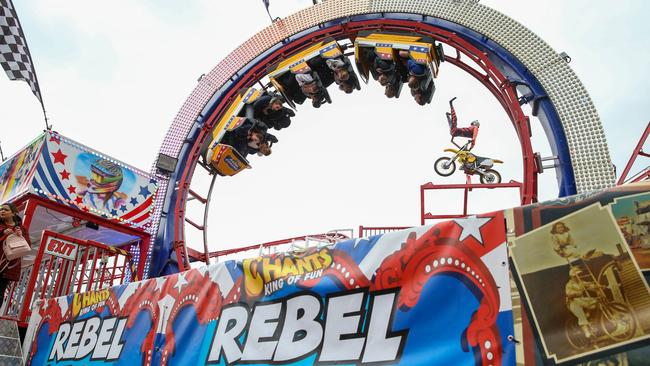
column 474, row 136
column 250, row 111
column 556, row 242
column 25, row 234
column 259, row 105
column 570, row 241
column 4, row 235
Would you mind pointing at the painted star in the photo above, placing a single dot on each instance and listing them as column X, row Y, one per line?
column 181, row 282
column 134, row 201
column 152, row 181
column 215, row 274
column 123, row 208
column 64, row 174
column 72, row 189
column 59, row 157
column 203, row 270
column 160, row 282
column 114, row 212
column 471, row 226
column 144, row 191
column 78, row 200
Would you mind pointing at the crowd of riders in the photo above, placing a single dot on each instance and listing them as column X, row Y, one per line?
column 269, row 110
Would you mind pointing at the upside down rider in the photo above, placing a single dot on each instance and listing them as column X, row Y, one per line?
column 470, row 132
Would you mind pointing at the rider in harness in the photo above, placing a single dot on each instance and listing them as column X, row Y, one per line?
column 470, row 132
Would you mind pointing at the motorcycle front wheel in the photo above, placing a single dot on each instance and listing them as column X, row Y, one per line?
column 491, row 176
column 444, row 166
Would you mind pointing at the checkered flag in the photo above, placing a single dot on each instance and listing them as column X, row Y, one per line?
column 14, row 54
column 266, row 5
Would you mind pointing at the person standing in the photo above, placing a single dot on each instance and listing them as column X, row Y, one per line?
column 10, row 223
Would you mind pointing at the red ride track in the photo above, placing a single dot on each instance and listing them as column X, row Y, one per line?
column 487, row 73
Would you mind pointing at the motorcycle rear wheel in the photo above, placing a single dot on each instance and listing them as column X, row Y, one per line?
column 444, row 166
column 491, row 176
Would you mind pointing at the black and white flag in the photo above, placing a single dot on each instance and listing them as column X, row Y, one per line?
column 266, row 5
column 14, row 54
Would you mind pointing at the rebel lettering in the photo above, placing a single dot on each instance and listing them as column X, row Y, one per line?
column 101, row 338
column 344, row 315
column 301, row 320
column 259, row 343
column 231, row 325
column 380, row 346
column 89, row 338
column 353, row 327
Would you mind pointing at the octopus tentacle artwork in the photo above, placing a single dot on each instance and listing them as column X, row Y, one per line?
column 419, row 259
column 191, row 288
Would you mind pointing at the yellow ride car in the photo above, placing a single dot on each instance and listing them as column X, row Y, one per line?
column 312, row 60
column 392, row 47
column 224, row 159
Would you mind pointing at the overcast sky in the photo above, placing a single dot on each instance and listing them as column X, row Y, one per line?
column 114, row 74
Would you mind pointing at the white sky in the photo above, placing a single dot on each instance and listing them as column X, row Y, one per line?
column 114, row 74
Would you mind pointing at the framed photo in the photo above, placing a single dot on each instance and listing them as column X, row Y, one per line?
column 632, row 215
column 582, row 286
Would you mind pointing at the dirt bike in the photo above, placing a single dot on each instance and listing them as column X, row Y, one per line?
column 610, row 320
column 469, row 163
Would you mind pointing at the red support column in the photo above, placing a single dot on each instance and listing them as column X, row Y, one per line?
column 635, row 153
column 422, row 205
column 466, row 189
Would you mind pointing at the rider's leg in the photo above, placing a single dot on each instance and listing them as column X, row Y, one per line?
column 453, row 121
column 576, row 307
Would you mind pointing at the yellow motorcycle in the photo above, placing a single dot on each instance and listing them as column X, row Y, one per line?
column 469, row 163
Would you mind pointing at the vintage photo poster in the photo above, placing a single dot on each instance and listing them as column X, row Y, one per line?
column 632, row 215
column 583, row 288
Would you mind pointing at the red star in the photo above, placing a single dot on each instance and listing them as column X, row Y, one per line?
column 78, row 200
column 55, row 139
column 85, row 209
column 59, row 157
column 64, row 174
column 72, row 189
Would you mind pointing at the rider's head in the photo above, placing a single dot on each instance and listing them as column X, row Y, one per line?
column 276, row 103
column 559, row 228
column 475, row 123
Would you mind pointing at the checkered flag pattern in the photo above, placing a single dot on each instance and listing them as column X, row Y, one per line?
column 14, row 54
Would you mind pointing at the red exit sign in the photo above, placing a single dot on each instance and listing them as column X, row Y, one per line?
column 61, row 248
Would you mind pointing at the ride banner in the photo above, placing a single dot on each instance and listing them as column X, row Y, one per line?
column 434, row 295
column 74, row 175
column 17, row 171
column 576, row 263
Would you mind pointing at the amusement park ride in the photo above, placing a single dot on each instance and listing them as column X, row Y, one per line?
column 95, row 222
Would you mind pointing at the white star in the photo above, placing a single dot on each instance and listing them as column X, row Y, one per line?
column 214, row 275
column 357, row 241
column 160, row 282
column 181, row 282
column 471, row 226
column 201, row 270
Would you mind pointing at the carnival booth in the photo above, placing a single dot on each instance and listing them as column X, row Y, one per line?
column 87, row 216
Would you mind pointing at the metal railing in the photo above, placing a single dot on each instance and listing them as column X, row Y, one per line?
column 93, row 267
